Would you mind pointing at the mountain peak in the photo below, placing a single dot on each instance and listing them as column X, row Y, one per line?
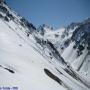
column 46, row 58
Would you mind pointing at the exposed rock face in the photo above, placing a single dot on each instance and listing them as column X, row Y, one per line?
column 46, row 58
column 1, row 1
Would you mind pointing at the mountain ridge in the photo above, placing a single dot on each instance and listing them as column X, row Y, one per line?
column 48, row 61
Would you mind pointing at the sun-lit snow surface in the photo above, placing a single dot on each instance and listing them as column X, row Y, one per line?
column 61, row 39
column 23, row 62
column 27, row 64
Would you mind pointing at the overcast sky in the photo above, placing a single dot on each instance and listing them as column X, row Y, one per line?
column 56, row 13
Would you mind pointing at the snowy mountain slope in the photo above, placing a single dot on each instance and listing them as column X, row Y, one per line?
column 59, row 37
column 29, row 61
column 73, row 44
column 78, row 51
column 17, row 56
column 26, row 63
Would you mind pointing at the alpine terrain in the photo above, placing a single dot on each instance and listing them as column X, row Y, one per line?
column 43, row 58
